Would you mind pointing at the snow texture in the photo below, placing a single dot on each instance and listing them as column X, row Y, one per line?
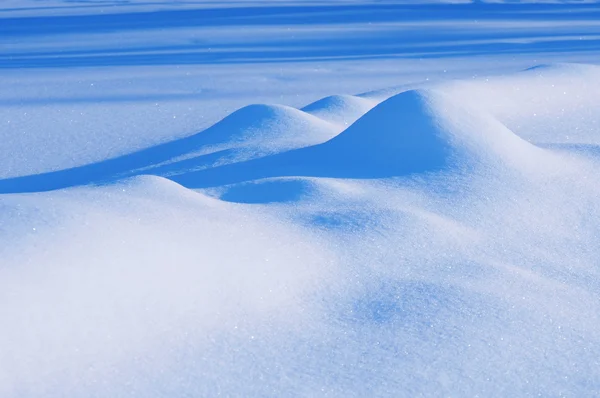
column 416, row 219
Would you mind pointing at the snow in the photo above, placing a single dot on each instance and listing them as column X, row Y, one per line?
column 340, row 109
column 390, row 200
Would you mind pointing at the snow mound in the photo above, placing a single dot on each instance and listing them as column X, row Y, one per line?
column 266, row 128
column 250, row 132
column 253, row 131
column 399, row 136
column 417, row 131
column 112, row 305
column 340, row 109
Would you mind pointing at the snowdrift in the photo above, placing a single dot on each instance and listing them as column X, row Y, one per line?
column 430, row 248
column 417, row 131
column 250, row 132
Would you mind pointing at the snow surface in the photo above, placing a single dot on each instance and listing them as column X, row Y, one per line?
column 416, row 219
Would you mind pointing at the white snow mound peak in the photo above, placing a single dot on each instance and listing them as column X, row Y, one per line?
column 417, row 131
